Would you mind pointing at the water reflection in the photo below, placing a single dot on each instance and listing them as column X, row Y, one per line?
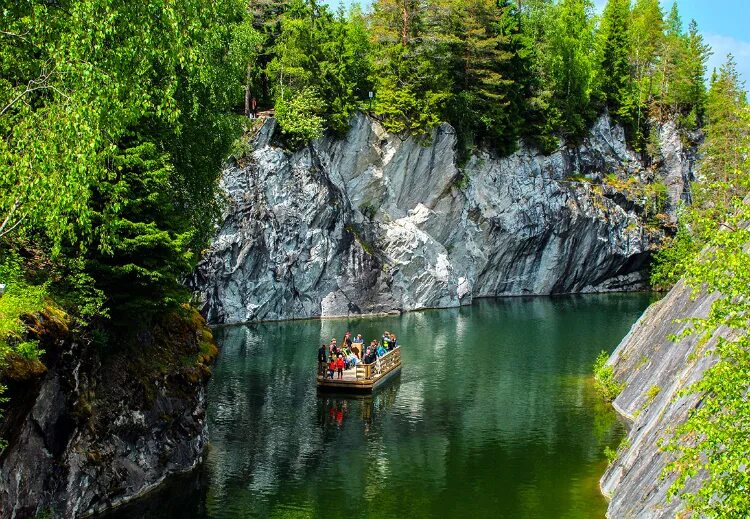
column 493, row 416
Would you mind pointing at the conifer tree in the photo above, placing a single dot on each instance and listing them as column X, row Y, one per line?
column 615, row 63
column 319, row 71
column 646, row 35
column 671, row 54
column 723, row 169
column 689, row 88
column 411, row 89
column 484, row 106
column 571, row 64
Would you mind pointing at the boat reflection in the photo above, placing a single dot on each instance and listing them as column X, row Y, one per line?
column 334, row 409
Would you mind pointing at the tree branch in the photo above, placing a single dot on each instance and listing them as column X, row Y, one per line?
column 3, row 230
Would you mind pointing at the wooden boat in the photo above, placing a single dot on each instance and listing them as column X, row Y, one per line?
column 365, row 378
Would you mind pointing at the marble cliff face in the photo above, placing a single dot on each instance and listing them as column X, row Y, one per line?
column 372, row 223
column 655, row 370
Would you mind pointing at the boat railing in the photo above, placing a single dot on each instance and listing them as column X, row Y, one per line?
column 382, row 365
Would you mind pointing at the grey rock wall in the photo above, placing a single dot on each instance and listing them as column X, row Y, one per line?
column 372, row 223
column 647, row 359
column 92, row 434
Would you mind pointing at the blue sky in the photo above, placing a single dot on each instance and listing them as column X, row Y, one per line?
column 725, row 25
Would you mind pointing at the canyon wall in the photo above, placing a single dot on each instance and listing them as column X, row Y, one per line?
column 372, row 223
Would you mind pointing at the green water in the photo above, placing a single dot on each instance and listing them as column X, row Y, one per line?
column 494, row 415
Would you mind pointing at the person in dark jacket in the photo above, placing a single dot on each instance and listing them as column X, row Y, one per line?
column 322, row 360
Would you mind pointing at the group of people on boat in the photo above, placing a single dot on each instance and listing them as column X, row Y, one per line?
column 334, row 359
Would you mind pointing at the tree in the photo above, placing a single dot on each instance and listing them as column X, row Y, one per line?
column 713, row 443
column 646, row 35
column 570, row 64
column 324, row 57
column 83, row 80
column 411, row 87
column 483, row 89
column 615, row 63
column 671, row 55
column 73, row 81
column 266, row 20
column 723, row 169
column 143, row 251
column 688, row 94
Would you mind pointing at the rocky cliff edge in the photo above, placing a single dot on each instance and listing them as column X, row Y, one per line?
column 371, row 223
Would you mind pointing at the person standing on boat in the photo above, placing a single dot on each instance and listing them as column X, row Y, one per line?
column 331, row 367
column 332, row 348
column 348, row 340
column 358, row 347
column 340, row 367
column 386, row 339
column 322, row 360
column 393, row 344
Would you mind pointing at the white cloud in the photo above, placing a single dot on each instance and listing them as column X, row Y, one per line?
column 723, row 45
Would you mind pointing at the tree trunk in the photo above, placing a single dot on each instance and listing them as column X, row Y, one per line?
column 405, row 25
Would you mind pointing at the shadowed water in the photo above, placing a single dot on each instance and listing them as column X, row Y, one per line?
column 494, row 415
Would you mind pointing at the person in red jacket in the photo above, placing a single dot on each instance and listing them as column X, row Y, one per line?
column 340, row 366
column 331, row 368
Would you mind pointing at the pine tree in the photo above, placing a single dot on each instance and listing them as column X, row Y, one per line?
column 411, row 87
column 483, row 89
column 688, row 90
column 646, row 35
column 671, row 55
column 723, row 171
column 570, row 60
column 266, row 19
column 615, row 63
column 142, row 249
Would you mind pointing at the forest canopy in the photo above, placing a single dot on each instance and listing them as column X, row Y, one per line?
column 496, row 71
column 115, row 117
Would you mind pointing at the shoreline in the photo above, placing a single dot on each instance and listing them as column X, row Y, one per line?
column 396, row 313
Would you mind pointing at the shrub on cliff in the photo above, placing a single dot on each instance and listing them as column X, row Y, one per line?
column 604, row 378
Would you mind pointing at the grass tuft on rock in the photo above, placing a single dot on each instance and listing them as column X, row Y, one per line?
column 604, row 378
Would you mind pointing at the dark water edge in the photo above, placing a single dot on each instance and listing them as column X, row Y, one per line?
column 494, row 415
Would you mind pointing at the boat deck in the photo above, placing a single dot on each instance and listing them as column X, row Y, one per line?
column 365, row 377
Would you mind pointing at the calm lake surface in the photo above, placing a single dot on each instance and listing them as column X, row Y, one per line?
column 494, row 415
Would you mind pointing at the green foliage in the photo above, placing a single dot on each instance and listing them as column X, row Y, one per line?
column 615, row 66
column 142, row 241
column 410, row 67
column 713, row 443
column 714, row 440
column 20, row 299
column 566, row 62
column 299, row 117
column 83, row 85
column 604, row 378
column 669, row 263
column 75, row 76
column 319, row 70
column 612, row 454
column 723, row 168
column 652, row 393
column 497, row 71
column 724, row 176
